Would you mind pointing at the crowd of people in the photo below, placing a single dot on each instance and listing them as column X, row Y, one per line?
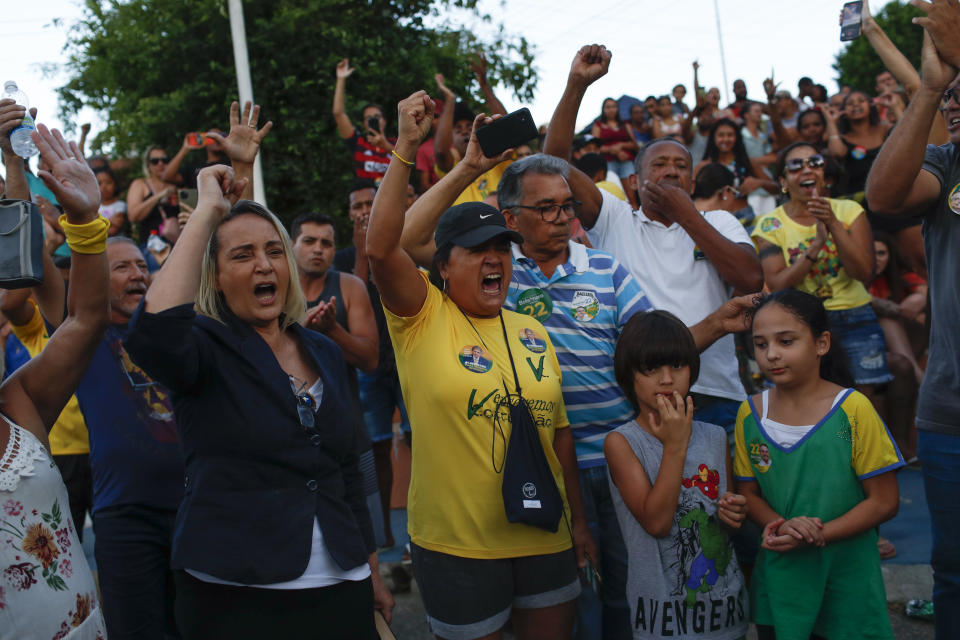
column 657, row 376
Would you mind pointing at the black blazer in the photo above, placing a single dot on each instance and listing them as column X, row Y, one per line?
column 255, row 477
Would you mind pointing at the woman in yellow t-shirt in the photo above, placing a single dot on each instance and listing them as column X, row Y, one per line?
column 458, row 355
column 824, row 247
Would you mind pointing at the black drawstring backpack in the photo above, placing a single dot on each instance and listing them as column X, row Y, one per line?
column 530, row 493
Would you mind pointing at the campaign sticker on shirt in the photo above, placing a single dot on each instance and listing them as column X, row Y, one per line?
column 536, row 303
column 769, row 224
column 760, row 455
column 585, row 306
column 858, row 152
column 953, row 199
column 475, row 358
column 532, row 340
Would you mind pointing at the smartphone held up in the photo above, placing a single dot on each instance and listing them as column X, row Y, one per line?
column 850, row 19
column 197, row 139
column 512, row 130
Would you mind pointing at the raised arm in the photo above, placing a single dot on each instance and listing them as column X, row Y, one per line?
column 34, row 396
column 177, row 283
column 402, row 290
column 895, row 62
column 589, row 64
column 243, row 142
column 344, row 126
column 421, row 219
column 172, row 172
column 897, row 183
column 781, row 135
column 478, row 64
column 443, row 139
column 11, row 115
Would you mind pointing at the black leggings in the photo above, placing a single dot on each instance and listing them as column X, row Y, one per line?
column 206, row 610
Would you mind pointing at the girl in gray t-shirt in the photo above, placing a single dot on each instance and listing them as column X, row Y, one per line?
column 668, row 478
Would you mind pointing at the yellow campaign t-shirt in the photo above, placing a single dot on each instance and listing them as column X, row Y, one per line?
column 827, row 279
column 483, row 186
column 873, row 451
column 69, row 433
column 452, row 372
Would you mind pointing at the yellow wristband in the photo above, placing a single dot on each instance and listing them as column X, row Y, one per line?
column 87, row 238
column 400, row 158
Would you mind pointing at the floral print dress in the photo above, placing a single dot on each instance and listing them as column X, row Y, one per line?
column 46, row 588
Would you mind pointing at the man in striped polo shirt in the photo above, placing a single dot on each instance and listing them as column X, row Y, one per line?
column 582, row 297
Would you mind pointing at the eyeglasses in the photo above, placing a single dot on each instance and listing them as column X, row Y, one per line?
column 305, row 410
column 164, row 160
column 948, row 95
column 815, row 161
column 550, row 212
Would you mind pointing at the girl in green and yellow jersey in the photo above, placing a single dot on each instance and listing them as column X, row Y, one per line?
column 815, row 463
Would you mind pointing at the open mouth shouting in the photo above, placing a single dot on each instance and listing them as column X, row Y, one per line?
column 265, row 293
column 492, row 284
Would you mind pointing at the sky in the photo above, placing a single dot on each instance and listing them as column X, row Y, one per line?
column 653, row 46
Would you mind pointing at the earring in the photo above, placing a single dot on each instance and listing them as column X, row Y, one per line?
column 783, row 189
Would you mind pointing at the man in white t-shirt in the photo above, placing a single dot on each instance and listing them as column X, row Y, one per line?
column 685, row 260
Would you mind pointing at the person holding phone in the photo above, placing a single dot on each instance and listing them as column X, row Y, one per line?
column 151, row 200
column 913, row 179
column 474, row 568
column 368, row 143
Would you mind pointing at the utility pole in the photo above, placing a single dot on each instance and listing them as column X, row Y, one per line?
column 241, row 61
column 723, row 60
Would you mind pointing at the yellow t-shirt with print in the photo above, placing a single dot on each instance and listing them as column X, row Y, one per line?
column 483, row 186
column 827, row 279
column 69, row 433
column 452, row 372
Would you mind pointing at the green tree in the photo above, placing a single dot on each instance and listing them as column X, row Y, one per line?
column 858, row 65
column 157, row 69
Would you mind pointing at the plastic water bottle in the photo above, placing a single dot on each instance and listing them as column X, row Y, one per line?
column 20, row 139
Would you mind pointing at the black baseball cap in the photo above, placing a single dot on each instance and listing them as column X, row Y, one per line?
column 471, row 224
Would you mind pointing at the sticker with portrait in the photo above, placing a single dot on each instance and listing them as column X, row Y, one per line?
column 475, row 358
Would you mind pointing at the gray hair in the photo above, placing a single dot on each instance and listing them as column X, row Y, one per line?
column 510, row 188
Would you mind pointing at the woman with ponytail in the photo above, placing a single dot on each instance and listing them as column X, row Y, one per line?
column 815, row 463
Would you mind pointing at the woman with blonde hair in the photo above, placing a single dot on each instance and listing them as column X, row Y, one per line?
column 150, row 200
column 273, row 537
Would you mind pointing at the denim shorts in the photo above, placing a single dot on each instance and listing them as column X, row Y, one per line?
column 858, row 333
column 380, row 394
column 470, row 598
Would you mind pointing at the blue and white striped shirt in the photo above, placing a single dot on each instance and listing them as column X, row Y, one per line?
column 582, row 306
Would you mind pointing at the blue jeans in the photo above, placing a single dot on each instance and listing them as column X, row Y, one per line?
column 132, row 547
column 608, row 611
column 939, row 455
column 380, row 395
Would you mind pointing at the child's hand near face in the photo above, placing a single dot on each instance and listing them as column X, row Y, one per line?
column 675, row 422
column 732, row 509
